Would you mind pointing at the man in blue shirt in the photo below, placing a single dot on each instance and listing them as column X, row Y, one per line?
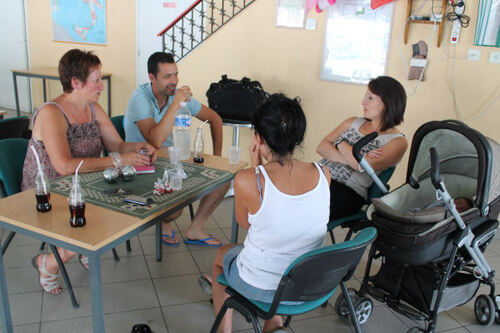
column 150, row 117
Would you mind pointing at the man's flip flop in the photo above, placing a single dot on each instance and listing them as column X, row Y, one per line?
column 202, row 242
column 172, row 237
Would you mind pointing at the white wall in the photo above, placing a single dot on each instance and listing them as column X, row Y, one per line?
column 152, row 18
column 13, row 55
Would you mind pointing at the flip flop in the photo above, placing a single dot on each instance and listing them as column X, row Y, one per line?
column 84, row 261
column 167, row 236
column 50, row 282
column 202, row 242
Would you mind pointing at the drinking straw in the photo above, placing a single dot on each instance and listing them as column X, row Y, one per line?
column 76, row 172
column 203, row 123
column 39, row 168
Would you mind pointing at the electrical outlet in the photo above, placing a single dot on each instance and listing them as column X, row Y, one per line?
column 474, row 55
column 494, row 57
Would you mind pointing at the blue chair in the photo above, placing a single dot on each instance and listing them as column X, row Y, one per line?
column 118, row 123
column 353, row 221
column 312, row 279
column 12, row 155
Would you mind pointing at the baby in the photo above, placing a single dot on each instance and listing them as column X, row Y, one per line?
column 461, row 203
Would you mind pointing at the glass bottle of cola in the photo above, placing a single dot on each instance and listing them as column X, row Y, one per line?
column 42, row 191
column 76, row 205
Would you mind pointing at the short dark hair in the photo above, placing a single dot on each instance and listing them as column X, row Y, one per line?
column 393, row 96
column 157, row 58
column 281, row 122
column 76, row 64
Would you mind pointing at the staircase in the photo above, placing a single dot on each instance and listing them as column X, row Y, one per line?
column 197, row 23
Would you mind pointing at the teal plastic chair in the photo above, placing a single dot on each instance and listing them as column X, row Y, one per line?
column 118, row 123
column 15, row 127
column 311, row 279
column 352, row 221
column 12, row 155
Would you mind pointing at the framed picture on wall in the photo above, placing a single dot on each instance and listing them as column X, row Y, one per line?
column 356, row 41
column 290, row 13
column 79, row 21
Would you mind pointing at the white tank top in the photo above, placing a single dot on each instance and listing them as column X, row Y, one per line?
column 285, row 227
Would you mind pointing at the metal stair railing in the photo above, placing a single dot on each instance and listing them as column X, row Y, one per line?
column 197, row 23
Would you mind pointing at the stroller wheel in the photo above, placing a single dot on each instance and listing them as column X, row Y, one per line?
column 497, row 317
column 341, row 307
column 363, row 307
column 484, row 309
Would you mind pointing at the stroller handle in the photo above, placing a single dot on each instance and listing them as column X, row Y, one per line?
column 435, row 169
column 356, row 149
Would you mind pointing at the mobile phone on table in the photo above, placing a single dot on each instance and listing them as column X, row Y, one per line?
column 138, row 200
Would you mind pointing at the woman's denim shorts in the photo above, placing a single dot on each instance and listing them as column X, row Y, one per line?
column 233, row 277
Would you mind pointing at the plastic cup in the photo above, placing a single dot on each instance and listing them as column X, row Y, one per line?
column 174, row 155
column 175, row 177
column 234, row 154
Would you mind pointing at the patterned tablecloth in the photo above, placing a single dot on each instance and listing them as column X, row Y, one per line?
column 93, row 186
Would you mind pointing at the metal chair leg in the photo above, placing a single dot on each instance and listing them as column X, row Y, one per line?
column 348, row 299
column 191, row 211
column 332, row 236
column 65, row 276
column 127, row 243
column 115, row 254
column 5, row 244
column 42, row 246
column 218, row 319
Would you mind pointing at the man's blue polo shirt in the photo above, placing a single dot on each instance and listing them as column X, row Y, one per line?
column 143, row 105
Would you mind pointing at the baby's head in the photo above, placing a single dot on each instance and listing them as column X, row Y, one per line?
column 462, row 204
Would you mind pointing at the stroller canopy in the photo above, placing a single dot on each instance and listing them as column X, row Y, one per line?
column 462, row 151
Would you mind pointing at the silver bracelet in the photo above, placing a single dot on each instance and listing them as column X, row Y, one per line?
column 117, row 159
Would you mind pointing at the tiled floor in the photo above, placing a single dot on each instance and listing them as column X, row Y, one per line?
column 166, row 294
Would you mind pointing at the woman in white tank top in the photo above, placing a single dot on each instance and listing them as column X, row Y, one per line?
column 283, row 203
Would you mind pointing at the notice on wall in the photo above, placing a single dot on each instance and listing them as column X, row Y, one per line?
column 488, row 23
column 290, row 13
column 80, row 21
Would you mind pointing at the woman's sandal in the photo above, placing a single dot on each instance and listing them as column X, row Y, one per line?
column 84, row 261
column 50, row 283
column 205, row 284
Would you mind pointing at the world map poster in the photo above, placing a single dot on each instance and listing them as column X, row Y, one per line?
column 81, row 21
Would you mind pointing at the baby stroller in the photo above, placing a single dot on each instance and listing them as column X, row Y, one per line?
column 431, row 259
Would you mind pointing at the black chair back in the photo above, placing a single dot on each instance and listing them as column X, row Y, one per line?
column 316, row 273
column 16, row 127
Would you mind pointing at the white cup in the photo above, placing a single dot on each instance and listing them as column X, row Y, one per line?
column 174, row 155
column 175, row 178
column 234, row 154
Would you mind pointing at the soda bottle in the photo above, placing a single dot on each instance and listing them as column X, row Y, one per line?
column 182, row 131
column 42, row 191
column 76, row 205
column 199, row 146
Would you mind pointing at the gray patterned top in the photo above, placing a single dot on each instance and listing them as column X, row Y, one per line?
column 84, row 140
column 343, row 173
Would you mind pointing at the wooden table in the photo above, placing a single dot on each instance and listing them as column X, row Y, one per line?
column 49, row 73
column 18, row 214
